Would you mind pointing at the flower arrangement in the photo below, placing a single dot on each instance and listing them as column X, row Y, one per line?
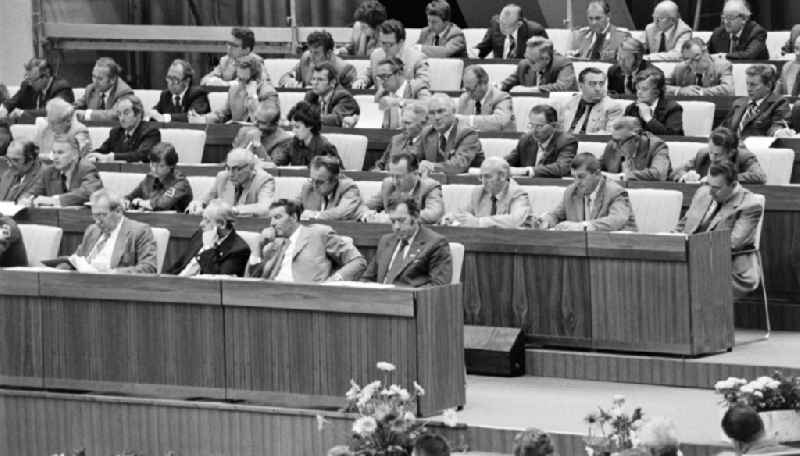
column 763, row 394
column 612, row 430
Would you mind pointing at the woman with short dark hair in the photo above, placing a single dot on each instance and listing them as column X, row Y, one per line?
column 308, row 142
column 164, row 188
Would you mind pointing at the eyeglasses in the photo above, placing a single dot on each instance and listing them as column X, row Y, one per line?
column 384, row 77
column 730, row 18
column 536, row 126
column 174, row 79
column 237, row 168
column 320, row 182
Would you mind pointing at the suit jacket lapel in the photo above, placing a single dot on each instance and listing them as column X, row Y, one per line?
column 121, row 242
column 302, row 240
column 598, row 200
column 451, row 140
column 413, row 252
column 727, row 208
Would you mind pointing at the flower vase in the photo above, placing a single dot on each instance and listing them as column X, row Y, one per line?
column 782, row 425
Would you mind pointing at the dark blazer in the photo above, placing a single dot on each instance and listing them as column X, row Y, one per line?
column 83, row 182
column 616, row 78
column 769, row 118
column 300, row 154
column 10, row 186
column 648, row 154
column 172, row 194
column 752, row 43
column 137, row 149
column 560, row 151
column 746, row 162
column 558, row 77
column 494, row 39
column 667, row 117
column 27, row 98
column 342, row 105
column 195, row 98
column 462, row 150
column 428, row 262
column 229, row 257
column 12, row 250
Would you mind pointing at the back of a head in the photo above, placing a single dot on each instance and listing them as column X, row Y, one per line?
column 532, row 442
column 659, row 435
column 742, row 424
column 431, row 445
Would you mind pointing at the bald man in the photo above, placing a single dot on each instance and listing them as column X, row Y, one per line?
column 61, row 121
column 483, row 107
column 739, row 37
column 499, row 202
column 446, row 146
column 635, row 154
column 666, row 34
column 275, row 141
column 507, row 33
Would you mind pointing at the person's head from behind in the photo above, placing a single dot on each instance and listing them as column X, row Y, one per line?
column 248, row 138
column 735, row 15
column 542, row 122
column 284, row 216
column 107, row 209
column 586, row 172
column 438, row 14
column 391, row 37
column 592, row 82
column 370, row 12
column 390, row 74
column 761, row 79
column 666, row 15
column 630, row 55
column 532, row 442
column 598, row 15
column 266, row 117
column 305, row 120
column 38, row 73
column 163, row 159
column 105, row 73
column 476, row 82
column 320, row 45
column 539, row 51
column 722, row 180
column 441, row 112
column 242, row 42
column 743, row 425
column 414, row 117
column 430, row 444
column 248, row 68
column 217, row 216
column 65, row 152
column 659, row 436
column 324, row 173
column 510, row 19
column 722, row 144
column 180, row 75
column 22, row 155
column 129, row 111
column 625, row 127
column 403, row 170
column 650, row 85
column 240, row 165
column 323, row 78
column 59, row 115
column 694, row 53
column 495, row 174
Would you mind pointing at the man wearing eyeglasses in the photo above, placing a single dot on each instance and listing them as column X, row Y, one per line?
column 133, row 139
column 394, row 91
column 329, row 194
column 242, row 42
column 665, row 36
column 700, row 73
column 24, row 168
column 739, row 37
column 39, row 86
column 180, row 96
column 241, row 184
column 545, row 151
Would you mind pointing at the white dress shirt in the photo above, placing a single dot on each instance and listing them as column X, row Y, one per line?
column 102, row 257
column 285, row 274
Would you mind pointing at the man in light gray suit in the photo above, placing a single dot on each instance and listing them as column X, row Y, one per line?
column 100, row 96
column 483, row 107
column 600, row 40
column 701, row 74
column 665, row 36
column 592, row 111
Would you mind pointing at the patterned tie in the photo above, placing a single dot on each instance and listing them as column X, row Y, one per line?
column 587, row 208
column 512, row 46
column 396, row 264
column 748, row 115
column 436, row 40
column 494, row 205
column 597, row 47
column 662, row 46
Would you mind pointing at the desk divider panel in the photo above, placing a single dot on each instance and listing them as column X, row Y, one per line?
column 21, row 327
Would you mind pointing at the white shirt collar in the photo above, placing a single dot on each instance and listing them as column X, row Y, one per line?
column 402, row 89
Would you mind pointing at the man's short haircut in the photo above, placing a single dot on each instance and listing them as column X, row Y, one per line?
column 114, row 69
column 724, row 137
column 603, row 4
column 30, row 151
column 419, row 107
column 412, row 164
column 246, row 35
column 330, row 162
column 188, row 71
column 320, row 38
column 743, row 7
column 270, row 110
column 252, row 63
column 517, row 8
column 221, row 211
column 656, row 77
column 411, row 205
column 588, row 70
column 631, row 122
column 767, row 73
column 395, row 63
column 633, row 46
column 430, row 444
column 69, row 140
column 586, row 160
column 327, row 66
column 479, row 72
column 394, row 27
column 439, row 8
column 742, row 423
column 293, row 208
column 497, row 163
column 724, row 168
column 444, row 99
column 659, row 435
column 136, row 103
column 550, row 113
column 532, row 441
column 40, row 64
column 114, row 200
column 370, row 12
column 241, row 154
column 694, row 41
column 670, row 6
column 165, row 152
column 59, row 108
column 306, row 113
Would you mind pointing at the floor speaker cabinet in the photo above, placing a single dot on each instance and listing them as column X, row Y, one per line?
column 494, row 350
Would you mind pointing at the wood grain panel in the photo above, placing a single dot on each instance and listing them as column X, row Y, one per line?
column 711, row 292
column 635, row 246
column 19, row 282
column 21, row 346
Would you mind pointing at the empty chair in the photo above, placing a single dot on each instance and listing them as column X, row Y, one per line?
column 368, row 189
column 289, row 187
column 561, row 38
column 740, row 79
column 288, row 100
column 595, row 148
column 352, row 149
column 189, row 144
column 456, row 197
column 666, row 67
column 120, row 183
column 14, row 89
column 371, row 116
column 704, row 35
column 656, row 211
column 560, row 98
column 473, row 36
column 544, row 198
column 498, row 72
column 216, row 100
column 149, row 98
column 253, row 239
column 23, row 131
column 42, row 242
column 775, row 41
column 457, row 255
column 757, row 247
column 201, row 185
column 412, row 35
column 698, row 118
column 776, row 163
column 681, row 152
column 278, row 67
column 161, row 235
column 497, row 147
column 522, row 107
column 446, row 74
column 360, row 65
column 98, row 135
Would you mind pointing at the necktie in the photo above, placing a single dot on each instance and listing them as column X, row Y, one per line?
column 64, row 183
column 587, row 208
column 177, row 103
column 442, row 143
column 629, row 89
column 582, row 105
column 597, row 47
column 586, row 118
column 237, row 193
column 98, row 247
column 478, row 107
column 748, row 114
column 698, row 79
column 396, row 264
column 494, row 205
column 436, row 40
column 662, row 46
column 512, row 44
column 796, row 85
column 712, row 212
column 734, row 42
column 102, row 101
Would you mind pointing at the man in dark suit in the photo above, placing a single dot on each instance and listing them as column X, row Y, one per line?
column 102, row 94
column 600, row 39
column 441, row 38
column 133, row 139
column 413, row 120
column 39, row 86
column 70, row 181
column 12, row 247
column 446, row 146
column 630, row 62
column 215, row 248
column 24, row 169
column 656, row 113
column 507, row 33
column 761, row 112
column 723, row 145
column 180, row 97
column 412, row 255
column 542, row 69
column 545, row 150
column 336, row 105
column 739, row 37
column 404, row 181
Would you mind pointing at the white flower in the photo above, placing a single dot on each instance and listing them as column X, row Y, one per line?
column 368, row 392
column 619, row 398
column 724, row 385
column 764, row 380
column 749, row 389
column 386, row 367
column 419, row 389
column 589, row 451
column 365, row 426
column 773, row 384
column 352, row 393
column 615, row 412
column 409, row 416
column 401, row 393
column 321, row 422
column 450, row 417
column 758, row 394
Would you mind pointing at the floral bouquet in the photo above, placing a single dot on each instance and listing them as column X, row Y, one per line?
column 763, row 394
column 612, row 430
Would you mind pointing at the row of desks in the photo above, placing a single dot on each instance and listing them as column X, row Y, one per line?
column 584, row 290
